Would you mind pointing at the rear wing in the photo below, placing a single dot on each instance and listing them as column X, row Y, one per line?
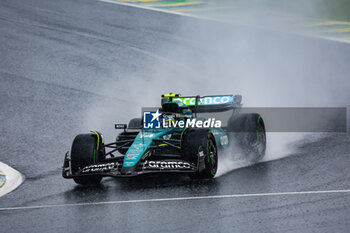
column 201, row 104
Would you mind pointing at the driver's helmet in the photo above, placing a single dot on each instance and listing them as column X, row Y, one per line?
column 179, row 103
column 168, row 121
column 187, row 112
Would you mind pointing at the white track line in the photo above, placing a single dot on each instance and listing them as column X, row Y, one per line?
column 176, row 199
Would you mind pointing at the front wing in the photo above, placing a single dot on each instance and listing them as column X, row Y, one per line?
column 116, row 169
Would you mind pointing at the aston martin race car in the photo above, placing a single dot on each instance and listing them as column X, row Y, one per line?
column 178, row 137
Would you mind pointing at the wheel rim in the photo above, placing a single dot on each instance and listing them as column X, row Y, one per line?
column 212, row 156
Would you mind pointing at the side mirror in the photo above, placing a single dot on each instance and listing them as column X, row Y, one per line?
column 120, row 126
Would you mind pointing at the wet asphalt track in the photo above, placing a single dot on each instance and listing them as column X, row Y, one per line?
column 63, row 60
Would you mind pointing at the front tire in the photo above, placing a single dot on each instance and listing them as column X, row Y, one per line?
column 86, row 150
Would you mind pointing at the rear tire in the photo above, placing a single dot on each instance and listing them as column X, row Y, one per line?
column 196, row 141
column 83, row 153
column 249, row 130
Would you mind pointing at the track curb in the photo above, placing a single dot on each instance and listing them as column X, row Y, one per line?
column 10, row 179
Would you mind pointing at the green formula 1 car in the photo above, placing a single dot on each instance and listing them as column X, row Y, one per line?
column 178, row 137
